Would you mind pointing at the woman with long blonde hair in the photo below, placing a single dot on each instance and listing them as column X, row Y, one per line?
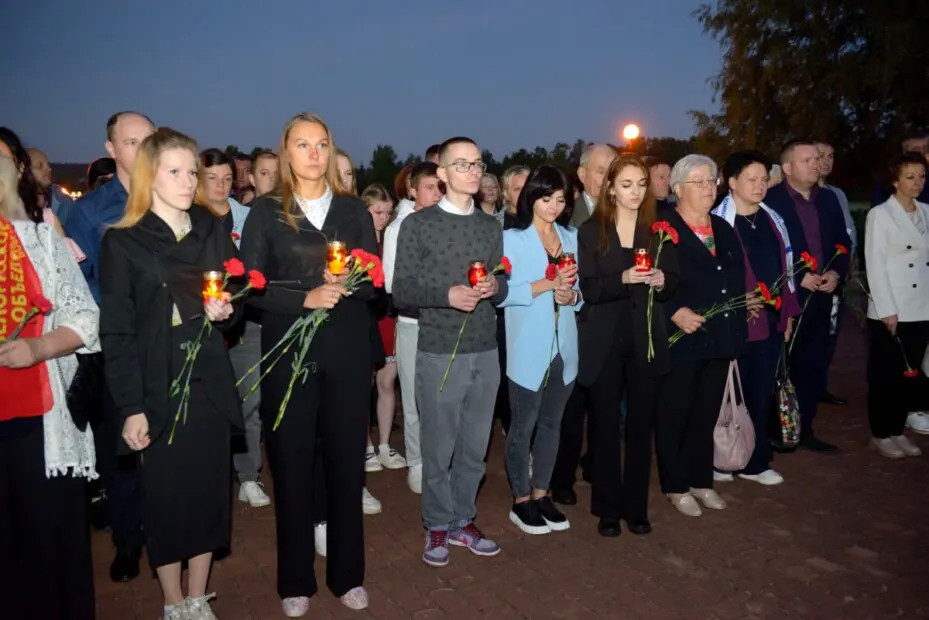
column 286, row 236
column 151, row 273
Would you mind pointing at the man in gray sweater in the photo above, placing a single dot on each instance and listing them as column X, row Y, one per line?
column 434, row 251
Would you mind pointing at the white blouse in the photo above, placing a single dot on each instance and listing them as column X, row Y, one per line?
column 316, row 209
column 67, row 449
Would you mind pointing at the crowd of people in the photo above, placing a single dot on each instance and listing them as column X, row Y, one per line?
column 553, row 301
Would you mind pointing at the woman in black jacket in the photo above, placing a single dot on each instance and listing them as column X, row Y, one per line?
column 613, row 341
column 151, row 266
column 712, row 271
column 286, row 236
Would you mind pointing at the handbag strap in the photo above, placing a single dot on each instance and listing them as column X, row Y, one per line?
column 729, row 402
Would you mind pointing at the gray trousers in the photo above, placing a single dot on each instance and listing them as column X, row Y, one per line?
column 536, row 412
column 407, row 336
column 455, row 424
column 244, row 355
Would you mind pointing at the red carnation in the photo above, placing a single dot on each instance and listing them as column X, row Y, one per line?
column 910, row 373
column 840, row 249
column 765, row 293
column 811, row 263
column 777, row 303
column 235, row 236
column 256, row 279
column 377, row 275
column 667, row 229
column 507, row 265
column 551, row 272
column 42, row 304
column 234, row 267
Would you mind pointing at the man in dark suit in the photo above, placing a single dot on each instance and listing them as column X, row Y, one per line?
column 595, row 161
column 816, row 225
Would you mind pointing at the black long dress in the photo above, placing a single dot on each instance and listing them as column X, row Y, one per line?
column 145, row 273
column 332, row 402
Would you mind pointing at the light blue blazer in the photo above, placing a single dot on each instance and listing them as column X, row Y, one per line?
column 530, row 323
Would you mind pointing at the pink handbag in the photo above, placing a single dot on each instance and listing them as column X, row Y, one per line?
column 734, row 435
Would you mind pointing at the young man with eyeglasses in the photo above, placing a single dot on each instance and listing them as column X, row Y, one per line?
column 434, row 252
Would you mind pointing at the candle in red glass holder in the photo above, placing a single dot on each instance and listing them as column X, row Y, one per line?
column 567, row 260
column 643, row 262
column 212, row 285
column 477, row 272
column 336, row 257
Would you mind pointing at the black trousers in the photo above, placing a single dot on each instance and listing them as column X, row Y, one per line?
column 620, row 486
column 122, row 480
column 758, row 368
column 891, row 396
column 834, row 337
column 572, row 439
column 333, row 404
column 502, row 406
column 809, row 359
column 45, row 565
column 688, row 406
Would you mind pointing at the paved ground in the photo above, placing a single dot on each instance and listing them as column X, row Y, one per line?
column 844, row 537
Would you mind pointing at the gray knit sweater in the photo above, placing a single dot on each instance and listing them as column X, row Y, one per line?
column 434, row 251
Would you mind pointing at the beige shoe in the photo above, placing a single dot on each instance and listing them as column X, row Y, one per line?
column 887, row 448
column 710, row 498
column 685, row 503
column 908, row 447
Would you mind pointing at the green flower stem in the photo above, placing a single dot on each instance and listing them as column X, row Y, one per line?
column 454, row 352
column 19, row 328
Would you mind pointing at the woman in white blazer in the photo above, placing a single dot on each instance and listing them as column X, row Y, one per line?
column 541, row 344
column 897, row 261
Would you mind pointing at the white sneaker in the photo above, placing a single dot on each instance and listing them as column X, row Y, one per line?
column 768, row 477
column 887, row 447
column 722, row 476
column 369, row 504
column 908, row 447
column 371, row 462
column 414, row 479
column 918, row 421
column 319, row 538
column 253, row 494
column 390, row 458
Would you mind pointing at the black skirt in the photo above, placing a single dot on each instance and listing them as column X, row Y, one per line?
column 186, row 484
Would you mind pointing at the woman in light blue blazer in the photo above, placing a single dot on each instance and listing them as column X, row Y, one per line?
column 541, row 343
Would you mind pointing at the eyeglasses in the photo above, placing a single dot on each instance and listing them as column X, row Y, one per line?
column 702, row 182
column 464, row 167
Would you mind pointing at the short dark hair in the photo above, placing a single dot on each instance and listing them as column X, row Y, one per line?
column 651, row 161
column 105, row 166
column 215, row 157
column 111, row 122
column 423, row 170
column 443, row 148
column 433, row 150
column 261, row 155
column 242, row 157
column 788, row 149
column 543, row 181
column 27, row 188
column 740, row 160
column 897, row 163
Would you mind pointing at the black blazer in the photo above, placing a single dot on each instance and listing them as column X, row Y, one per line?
column 706, row 280
column 294, row 261
column 144, row 272
column 831, row 227
column 606, row 297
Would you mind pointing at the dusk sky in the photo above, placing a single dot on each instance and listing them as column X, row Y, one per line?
column 508, row 73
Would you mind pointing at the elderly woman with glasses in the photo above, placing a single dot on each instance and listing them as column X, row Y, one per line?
column 712, row 271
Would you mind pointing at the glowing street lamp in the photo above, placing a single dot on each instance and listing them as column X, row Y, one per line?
column 631, row 132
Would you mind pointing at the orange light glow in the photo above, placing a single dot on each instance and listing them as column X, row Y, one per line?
column 631, row 132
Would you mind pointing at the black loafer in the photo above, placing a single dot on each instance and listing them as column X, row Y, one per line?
column 832, row 399
column 639, row 526
column 125, row 566
column 814, row 444
column 608, row 527
column 567, row 497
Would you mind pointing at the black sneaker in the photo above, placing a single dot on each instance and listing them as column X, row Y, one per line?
column 554, row 518
column 526, row 516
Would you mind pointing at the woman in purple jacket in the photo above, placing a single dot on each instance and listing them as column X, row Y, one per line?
column 766, row 244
